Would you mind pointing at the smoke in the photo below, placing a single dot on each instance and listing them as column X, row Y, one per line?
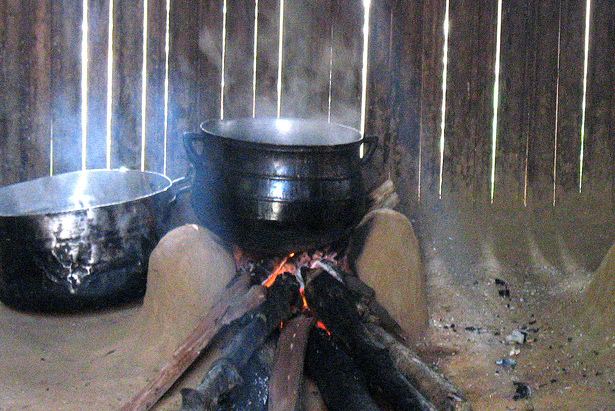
column 321, row 63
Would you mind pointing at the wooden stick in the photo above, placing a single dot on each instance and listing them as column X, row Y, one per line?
column 222, row 312
column 287, row 372
column 282, row 301
column 336, row 306
column 340, row 382
column 433, row 385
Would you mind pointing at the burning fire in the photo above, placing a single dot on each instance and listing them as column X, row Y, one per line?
column 292, row 264
column 283, row 267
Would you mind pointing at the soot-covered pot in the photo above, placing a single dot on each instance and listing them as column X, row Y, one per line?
column 278, row 185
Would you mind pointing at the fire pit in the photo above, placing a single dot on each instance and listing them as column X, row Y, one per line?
column 319, row 324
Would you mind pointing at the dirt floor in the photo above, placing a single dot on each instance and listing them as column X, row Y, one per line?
column 505, row 294
column 493, row 278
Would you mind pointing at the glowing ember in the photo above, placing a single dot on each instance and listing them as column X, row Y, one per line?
column 281, row 268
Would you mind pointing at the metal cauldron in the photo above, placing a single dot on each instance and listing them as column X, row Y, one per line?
column 278, row 185
column 80, row 240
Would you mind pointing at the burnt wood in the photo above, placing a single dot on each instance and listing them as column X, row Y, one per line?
column 253, row 394
column 337, row 307
column 282, row 301
column 233, row 304
column 340, row 382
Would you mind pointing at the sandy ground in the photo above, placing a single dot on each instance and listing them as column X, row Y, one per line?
column 489, row 273
column 492, row 273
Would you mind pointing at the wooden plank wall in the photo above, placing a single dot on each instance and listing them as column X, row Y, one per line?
column 544, row 151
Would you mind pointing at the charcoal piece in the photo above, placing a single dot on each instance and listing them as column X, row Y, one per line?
column 339, row 380
column 337, row 307
column 282, row 301
column 253, row 393
column 522, row 391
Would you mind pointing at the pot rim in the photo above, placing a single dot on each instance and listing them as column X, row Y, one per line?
column 245, row 131
column 21, row 189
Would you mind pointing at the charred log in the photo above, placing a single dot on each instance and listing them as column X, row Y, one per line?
column 233, row 304
column 253, row 393
column 338, row 308
column 282, row 301
column 339, row 380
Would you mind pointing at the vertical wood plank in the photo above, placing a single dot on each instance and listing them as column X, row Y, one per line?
column 239, row 59
column 431, row 97
column 542, row 109
column 305, row 73
column 599, row 161
column 347, row 60
column 183, row 74
column 194, row 73
column 511, row 158
column 267, row 58
column 67, row 17
column 403, row 155
column 468, row 132
column 460, row 124
column 98, row 18
column 35, row 148
column 127, row 85
column 483, row 112
column 570, row 98
column 25, row 82
column 156, row 72
column 379, row 84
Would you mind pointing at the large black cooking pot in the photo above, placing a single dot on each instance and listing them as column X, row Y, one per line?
column 79, row 240
column 278, row 185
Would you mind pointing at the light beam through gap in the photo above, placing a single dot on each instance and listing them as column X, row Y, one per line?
column 280, row 54
column 584, row 103
column 366, row 6
column 496, row 102
column 85, row 29
column 444, row 79
column 109, row 84
column 223, row 68
column 556, row 131
column 144, row 84
column 167, row 52
column 255, row 53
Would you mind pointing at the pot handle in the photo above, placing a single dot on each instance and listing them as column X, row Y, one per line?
column 191, row 139
column 178, row 186
column 369, row 143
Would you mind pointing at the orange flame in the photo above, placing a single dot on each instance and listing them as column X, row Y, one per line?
column 321, row 325
column 279, row 270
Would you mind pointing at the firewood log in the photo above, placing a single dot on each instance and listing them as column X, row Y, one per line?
column 436, row 388
column 336, row 306
column 285, row 383
column 340, row 382
column 253, row 393
column 282, row 301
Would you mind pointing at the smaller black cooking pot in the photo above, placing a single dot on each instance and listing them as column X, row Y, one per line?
column 80, row 240
column 278, row 185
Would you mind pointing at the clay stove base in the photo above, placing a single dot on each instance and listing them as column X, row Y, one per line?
column 546, row 260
